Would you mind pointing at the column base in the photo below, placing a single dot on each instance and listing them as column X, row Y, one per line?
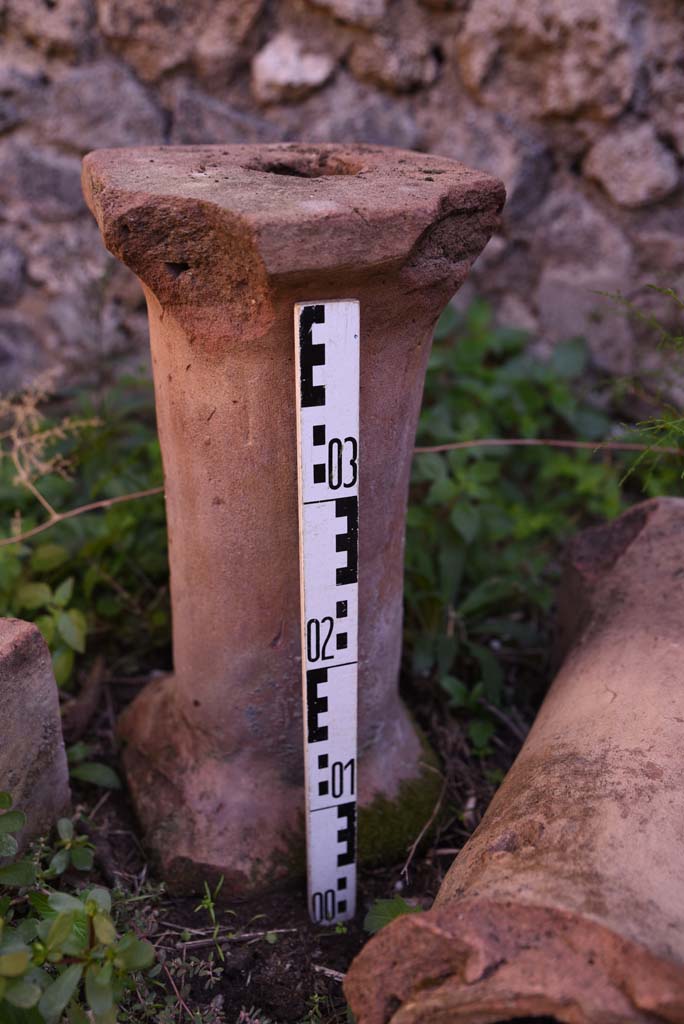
column 206, row 816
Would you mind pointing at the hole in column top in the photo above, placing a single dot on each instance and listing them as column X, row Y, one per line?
column 305, row 165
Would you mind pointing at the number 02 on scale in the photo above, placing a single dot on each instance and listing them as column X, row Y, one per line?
column 327, row 372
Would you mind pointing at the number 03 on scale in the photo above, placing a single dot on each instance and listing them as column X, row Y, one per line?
column 327, row 372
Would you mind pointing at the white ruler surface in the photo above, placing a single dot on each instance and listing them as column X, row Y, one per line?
column 327, row 362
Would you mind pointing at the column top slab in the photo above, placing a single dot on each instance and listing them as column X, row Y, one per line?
column 300, row 205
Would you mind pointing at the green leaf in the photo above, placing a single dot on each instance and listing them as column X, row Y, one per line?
column 17, row 1015
column 12, row 821
column 65, row 828
column 46, row 625
column 64, row 592
column 60, row 930
column 27, row 929
column 8, row 846
column 60, row 862
column 101, row 898
column 61, row 901
column 19, row 875
column 104, row 929
column 82, row 858
column 57, row 995
column 109, row 1017
column 48, row 557
column 492, row 672
column 23, row 994
column 466, row 519
column 98, row 988
column 447, row 324
column 63, row 665
column 40, row 903
column 134, row 954
column 5, row 800
column 98, row 774
column 33, row 595
column 384, row 911
column 77, row 1015
column 458, row 691
column 486, row 594
column 78, row 942
column 569, row 359
column 72, row 628
column 78, row 752
column 14, row 963
column 451, row 565
column 480, row 731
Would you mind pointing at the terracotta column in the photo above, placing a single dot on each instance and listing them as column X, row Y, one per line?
column 225, row 239
column 568, row 901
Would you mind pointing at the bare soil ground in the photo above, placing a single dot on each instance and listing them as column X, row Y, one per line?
column 273, row 964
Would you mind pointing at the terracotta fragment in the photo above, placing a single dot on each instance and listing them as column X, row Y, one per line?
column 33, row 764
column 568, row 901
column 225, row 240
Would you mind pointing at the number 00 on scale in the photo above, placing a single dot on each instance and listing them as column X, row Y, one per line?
column 327, row 376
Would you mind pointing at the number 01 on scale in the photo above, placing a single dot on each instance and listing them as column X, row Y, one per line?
column 327, row 374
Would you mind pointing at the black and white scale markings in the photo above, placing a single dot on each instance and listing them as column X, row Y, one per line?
column 327, row 361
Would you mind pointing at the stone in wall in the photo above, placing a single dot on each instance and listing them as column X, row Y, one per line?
column 22, row 353
column 400, row 64
column 285, row 70
column 569, row 305
column 633, row 165
column 365, row 13
column 584, row 255
column 57, row 28
column 542, row 57
column 497, row 143
column 12, row 276
column 198, row 117
column 21, row 89
column 663, row 70
column 79, row 114
column 352, row 110
column 155, row 38
column 546, row 94
column 39, row 183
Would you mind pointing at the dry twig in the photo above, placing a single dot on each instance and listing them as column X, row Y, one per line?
column 545, row 442
column 28, row 447
column 424, row 830
column 328, row 972
column 92, row 506
column 177, row 994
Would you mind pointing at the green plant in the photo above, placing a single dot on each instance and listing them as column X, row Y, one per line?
column 665, row 430
column 383, row 911
column 60, row 951
column 72, row 850
column 10, row 822
column 66, row 954
column 486, row 521
column 85, row 770
column 101, row 574
column 18, row 872
column 208, row 903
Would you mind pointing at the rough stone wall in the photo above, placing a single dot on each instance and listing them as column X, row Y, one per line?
column 577, row 104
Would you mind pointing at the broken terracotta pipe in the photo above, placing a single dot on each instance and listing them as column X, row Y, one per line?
column 33, row 763
column 568, row 901
column 225, row 240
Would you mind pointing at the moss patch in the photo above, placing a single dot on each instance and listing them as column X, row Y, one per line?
column 386, row 828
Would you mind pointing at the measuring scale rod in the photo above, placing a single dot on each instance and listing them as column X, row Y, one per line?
column 327, row 373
